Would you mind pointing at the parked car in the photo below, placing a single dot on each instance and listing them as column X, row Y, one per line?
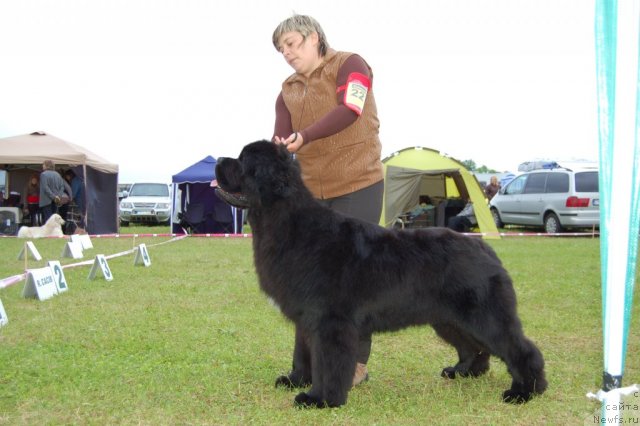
column 555, row 199
column 146, row 203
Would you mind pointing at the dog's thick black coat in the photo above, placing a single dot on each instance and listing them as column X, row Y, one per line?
column 337, row 278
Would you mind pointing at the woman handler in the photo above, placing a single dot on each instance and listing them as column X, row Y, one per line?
column 326, row 114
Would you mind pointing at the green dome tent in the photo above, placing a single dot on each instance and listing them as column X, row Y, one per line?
column 413, row 172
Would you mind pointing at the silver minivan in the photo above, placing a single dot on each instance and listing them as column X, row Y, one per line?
column 555, row 199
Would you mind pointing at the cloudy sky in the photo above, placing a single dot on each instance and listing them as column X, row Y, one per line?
column 157, row 85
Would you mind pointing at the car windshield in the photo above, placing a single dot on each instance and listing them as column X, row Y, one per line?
column 517, row 185
column 149, row 190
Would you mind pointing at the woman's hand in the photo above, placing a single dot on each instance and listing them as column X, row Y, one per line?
column 293, row 142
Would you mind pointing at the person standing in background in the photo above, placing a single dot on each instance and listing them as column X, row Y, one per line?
column 492, row 188
column 51, row 190
column 77, row 193
column 32, row 200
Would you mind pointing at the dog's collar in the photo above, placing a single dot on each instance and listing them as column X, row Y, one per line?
column 236, row 199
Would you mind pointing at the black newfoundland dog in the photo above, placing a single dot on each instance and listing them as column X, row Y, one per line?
column 336, row 278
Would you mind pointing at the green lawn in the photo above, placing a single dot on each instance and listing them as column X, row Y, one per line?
column 192, row 340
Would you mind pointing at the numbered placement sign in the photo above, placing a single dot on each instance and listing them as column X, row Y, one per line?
column 40, row 284
column 84, row 240
column 29, row 250
column 58, row 275
column 72, row 249
column 100, row 265
column 142, row 256
column 3, row 315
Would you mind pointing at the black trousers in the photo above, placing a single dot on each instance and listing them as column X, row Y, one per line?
column 48, row 210
column 365, row 204
column 34, row 214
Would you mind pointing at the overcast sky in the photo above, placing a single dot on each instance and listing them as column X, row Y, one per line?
column 157, row 85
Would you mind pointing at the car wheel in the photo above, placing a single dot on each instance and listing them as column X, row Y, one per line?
column 552, row 224
column 124, row 223
column 496, row 218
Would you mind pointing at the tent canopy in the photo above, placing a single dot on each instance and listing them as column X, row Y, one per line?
column 193, row 186
column 414, row 172
column 201, row 172
column 36, row 147
column 22, row 155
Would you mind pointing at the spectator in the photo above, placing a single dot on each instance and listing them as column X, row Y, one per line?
column 423, row 207
column 492, row 188
column 465, row 220
column 51, row 190
column 32, row 200
column 77, row 193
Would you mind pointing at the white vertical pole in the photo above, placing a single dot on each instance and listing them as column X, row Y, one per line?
column 617, row 50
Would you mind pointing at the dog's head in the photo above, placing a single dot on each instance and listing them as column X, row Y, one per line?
column 260, row 176
column 57, row 219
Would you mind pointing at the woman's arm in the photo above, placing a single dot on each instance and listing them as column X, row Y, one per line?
column 341, row 116
column 336, row 120
column 282, row 128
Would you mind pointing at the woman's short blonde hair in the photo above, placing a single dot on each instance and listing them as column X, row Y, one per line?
column 305, row 25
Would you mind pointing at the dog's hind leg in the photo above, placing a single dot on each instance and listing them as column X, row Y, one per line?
column 300, row 375
column 502, row 334
column 473, row 359
column 497, row 328
column 333, row 359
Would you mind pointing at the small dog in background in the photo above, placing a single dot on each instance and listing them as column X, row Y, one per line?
column 52, row 228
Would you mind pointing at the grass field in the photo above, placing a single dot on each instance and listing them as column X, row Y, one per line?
column 191, row 340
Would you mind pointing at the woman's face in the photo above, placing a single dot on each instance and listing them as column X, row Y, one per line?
column 34, row 181
column 300, row 53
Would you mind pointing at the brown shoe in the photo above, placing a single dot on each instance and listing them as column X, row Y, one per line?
column 361, row 374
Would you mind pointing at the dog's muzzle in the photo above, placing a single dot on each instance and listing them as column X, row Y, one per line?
column 233, row 199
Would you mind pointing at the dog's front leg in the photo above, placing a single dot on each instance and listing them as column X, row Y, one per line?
column 300, row 375
column 334, row 345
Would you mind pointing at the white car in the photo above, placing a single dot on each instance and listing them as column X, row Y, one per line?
column 146, row 203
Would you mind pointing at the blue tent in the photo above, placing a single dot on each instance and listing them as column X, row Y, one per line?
column 192, row 188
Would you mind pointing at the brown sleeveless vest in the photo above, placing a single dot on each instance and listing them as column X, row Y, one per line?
column 347, row 161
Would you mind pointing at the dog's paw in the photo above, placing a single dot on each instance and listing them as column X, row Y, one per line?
column 284, row 381
column 449, row 373
column 304, row 400
column 292, row 382
column 453, row 372
column 461, row 371
column 516, row 397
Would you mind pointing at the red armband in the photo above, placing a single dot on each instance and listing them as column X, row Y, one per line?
column 355, row 91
